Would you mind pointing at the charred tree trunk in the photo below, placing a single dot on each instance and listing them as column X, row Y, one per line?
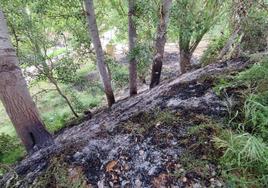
column 93, row 29
column 132, row 36
column 160, row 42
column 185, row 61
column 16, row 98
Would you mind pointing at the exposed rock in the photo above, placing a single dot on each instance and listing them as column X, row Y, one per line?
column 146, row 153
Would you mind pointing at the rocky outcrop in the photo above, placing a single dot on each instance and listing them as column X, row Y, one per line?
column 128, row 145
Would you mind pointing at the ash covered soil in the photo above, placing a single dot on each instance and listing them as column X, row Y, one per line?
column 159, row 138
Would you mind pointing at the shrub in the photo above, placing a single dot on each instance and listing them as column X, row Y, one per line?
column 255, row 32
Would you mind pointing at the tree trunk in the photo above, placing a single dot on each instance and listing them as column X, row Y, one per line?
column 16, row 98
column 160, row 42
column 93, row 29
column 132, row 37
column 185, row 61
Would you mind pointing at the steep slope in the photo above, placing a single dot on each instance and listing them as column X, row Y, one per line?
column 139, row 142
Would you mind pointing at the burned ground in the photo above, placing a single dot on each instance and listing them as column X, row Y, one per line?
column 159, row 138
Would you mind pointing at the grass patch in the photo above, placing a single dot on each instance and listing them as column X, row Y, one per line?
column 245, row 159
column 245, row 145
column 10, row 149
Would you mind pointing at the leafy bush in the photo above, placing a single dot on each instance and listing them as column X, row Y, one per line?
column 256, row 31
column 256, row 104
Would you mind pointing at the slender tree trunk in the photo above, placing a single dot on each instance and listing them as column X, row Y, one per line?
column 16, row 98
column 185, row 61
column 160, row 42
column 93, row 29
column 54, row 82
column 132, row 37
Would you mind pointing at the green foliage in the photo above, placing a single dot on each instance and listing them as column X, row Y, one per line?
column 245, row 147
column 245, row 159
column 55, row 121
column 119, row 72
column 193, row 19
column 146, row 18
column 255, row 28
column 144, row 57
column 256, row 114
column 255, row 78
column 10, row 149
column 66, row 70
column 143, row 54
column 256, row 105
column 254, row 75
column 211, row 53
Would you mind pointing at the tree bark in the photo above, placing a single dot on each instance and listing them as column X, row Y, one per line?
column 93, row 29
column 132, row 37
column 160, row 42
column 16, row 98
column 185, row 61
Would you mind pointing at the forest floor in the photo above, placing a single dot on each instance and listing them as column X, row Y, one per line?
column 160, row 138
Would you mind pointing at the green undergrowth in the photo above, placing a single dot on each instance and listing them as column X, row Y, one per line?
column 10, row 151
column 212, row 52
column 244, row 139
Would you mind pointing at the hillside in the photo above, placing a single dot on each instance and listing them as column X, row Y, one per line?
column 159, row 138
column 133, row 93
